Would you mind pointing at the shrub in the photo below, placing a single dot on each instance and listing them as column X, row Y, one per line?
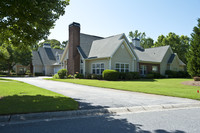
column 55, row 76
column 156, row 75
column 175, row 74
column 70, row 76
column 79, row 75
column 95, row 76
column 62, row 73
column 88, row 76
column 135, row 75
column 39, row 74
column 150, row 76
column 110, row 75
column 122, row 75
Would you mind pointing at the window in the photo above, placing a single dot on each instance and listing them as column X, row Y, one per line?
column 155, row 68
column 122, row 67
column 143, row 69
column 98, row 68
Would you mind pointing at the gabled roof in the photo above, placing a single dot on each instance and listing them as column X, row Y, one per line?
column 45, row 56
column 152, row 54
column 86, row 43
column 105, row 47
column 36, row 60
column 172, row 57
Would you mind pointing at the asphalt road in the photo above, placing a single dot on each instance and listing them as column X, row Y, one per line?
column 171, row 121
column 95, row 97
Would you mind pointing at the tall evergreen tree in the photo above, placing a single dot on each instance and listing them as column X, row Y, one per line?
column 193, row 56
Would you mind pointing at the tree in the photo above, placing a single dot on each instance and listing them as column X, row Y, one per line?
column 24, row 22
column 54, row 43
column 64, row 44
column 147, row 43
column 179, row 44
column 144, row 42
column 193, row 56
column 16, row 55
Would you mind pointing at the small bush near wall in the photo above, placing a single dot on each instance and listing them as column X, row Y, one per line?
column 39, row 74
column 62, row 73
column 88, row 76
column 155, row 75
column 150, row 76
column 79, row 75
column 95, row 76
column 128, row 75
column 110, row 75
column 56, row 76
column 135, row 75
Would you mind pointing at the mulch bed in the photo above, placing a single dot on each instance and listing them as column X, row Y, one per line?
column 192, row 83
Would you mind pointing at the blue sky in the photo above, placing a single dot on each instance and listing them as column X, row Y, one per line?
column 110, row 17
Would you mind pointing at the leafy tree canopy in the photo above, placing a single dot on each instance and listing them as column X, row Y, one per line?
column 15, row 55
column 54, row 43
column 144, row 42
column 193, row 55
column 24, row 22
column 179, row 44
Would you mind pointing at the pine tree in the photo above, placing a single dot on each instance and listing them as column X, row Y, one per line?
column 193, row 56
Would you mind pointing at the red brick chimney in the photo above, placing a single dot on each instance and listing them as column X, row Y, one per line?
column 73, row 62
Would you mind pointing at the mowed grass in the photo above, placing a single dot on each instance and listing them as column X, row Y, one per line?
column 167, row 87
column 18, row 97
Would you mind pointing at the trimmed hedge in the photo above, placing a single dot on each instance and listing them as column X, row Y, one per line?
column 175, row 74
column 129, row 75
column 39, row 74
column 62, row 73
column 110, row 75
column 156, row 75
column 79, row 75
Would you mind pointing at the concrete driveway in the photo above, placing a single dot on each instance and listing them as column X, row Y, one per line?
column 95, row 97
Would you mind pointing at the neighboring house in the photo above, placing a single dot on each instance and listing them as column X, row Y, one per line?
column 157, row 59
column 20, row 69
column 46, row 60
column 88, row 54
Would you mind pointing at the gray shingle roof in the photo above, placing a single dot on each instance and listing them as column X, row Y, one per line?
column 152, row 54
column 86, row 43
column 105, row 47
column 45, row 56
column 36, row 58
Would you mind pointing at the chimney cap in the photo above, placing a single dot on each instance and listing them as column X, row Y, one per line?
column 74, row 24
column 46, row 45
column 136, row 39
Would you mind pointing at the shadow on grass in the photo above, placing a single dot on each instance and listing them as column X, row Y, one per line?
column 17, row 104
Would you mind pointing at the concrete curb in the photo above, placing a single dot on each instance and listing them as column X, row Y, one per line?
column 21, row 118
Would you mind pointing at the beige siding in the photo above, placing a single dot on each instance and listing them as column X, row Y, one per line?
column 122, row 55
column 38, row 69
column 88, row 64
column 49, row 70
column 163, row 65
column 175, row 65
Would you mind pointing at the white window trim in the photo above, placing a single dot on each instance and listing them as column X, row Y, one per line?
column 99, row 68
column 124, row 66
column 143, row 66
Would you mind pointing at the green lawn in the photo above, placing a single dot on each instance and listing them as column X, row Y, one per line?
column 168, row 87
column 18, row 97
